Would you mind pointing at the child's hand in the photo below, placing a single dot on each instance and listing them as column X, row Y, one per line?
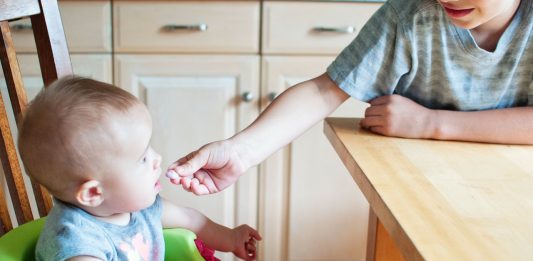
column 394, row 115
column 245, row 242
column 208, row 170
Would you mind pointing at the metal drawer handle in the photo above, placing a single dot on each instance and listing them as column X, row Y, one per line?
column 21, row 27
column 184, row 27
column 272, row 96
column 247, row 97
column 341, row 30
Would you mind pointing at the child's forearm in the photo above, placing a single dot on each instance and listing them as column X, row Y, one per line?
column 292, row 113
column 507, row 126
column 216, row 236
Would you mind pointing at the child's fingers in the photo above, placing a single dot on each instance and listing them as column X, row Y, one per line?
column 380, row 100
column 374, row 110
column 372, row 121
column 250, row 246
column 255, row 235
column 198, row 188
column 250, row 254
column 186, row 183
column 171, row 174
column 176, row 181
column 250, row 250
column 378, row 130
column 193, row 162
column 205, row 179
column 177, row 163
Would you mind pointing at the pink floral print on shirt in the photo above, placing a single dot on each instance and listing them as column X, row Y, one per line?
column 139, row 250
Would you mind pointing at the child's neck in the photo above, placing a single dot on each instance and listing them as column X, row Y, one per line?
column 488, row 34
column 487, row 40
column 120, row 219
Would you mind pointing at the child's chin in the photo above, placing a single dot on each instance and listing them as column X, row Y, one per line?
column 144, row 205
column 465, row 25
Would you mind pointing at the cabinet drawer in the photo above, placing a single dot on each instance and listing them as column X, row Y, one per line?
column 87, row 26
column 200, row 27
column 95, row 66
column 312, row 28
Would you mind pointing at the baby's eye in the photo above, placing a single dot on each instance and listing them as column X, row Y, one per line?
column 145, row 158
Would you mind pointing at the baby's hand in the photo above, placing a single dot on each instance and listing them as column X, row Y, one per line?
column 245, row 242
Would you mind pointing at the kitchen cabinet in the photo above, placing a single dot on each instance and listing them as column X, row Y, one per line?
column 205, row 69
column 310, row 209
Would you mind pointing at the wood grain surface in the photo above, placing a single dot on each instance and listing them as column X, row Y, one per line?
column 443, row 200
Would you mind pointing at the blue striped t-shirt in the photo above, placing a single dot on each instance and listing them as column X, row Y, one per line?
column 410, row 47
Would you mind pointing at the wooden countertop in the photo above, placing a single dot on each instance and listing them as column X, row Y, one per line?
column 443, row 200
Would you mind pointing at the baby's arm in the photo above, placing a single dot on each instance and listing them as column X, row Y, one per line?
column 240, row 240
column 394, row 115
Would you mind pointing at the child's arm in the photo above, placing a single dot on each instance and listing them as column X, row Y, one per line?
column 217, row 165
column 394, row 115
column 240, row 240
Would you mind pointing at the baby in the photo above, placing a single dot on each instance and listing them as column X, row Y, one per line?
column 88, row 143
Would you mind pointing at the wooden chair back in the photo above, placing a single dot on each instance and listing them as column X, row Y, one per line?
column 54, row 62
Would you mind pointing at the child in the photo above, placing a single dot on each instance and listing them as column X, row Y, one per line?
column 431, row 69
column 88, row 143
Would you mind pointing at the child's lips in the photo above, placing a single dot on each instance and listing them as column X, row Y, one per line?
column 458, row 13
column 158, row 186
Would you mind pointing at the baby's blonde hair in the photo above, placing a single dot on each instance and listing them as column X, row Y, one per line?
column 64, row 128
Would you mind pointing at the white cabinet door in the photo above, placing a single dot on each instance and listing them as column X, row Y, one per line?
column 195, row 99
column 310, row 208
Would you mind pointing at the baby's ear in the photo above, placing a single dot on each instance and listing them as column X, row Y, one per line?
column 90, row 194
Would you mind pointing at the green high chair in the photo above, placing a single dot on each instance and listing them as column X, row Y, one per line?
column 19, row 243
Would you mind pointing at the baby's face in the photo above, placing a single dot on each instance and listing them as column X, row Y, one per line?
column 470, row 14
column 132, row 167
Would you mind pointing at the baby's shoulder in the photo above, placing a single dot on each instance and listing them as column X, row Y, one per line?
column 67, row 231
column 66, row 221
